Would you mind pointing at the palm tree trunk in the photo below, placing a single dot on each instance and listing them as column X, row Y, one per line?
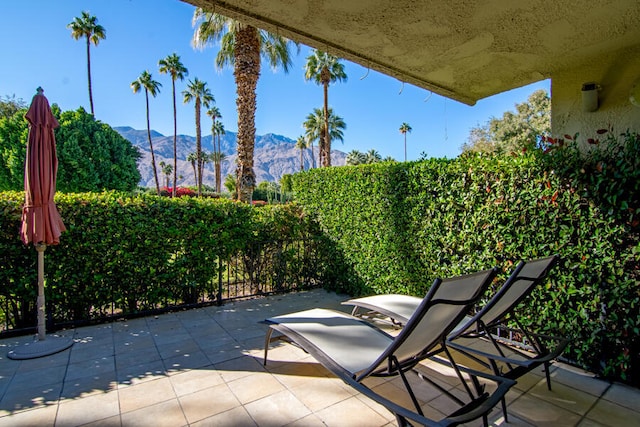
column 405, row 146
column 198, row 147
column 175, row 140
column 301, row 160
column 218, row 176
column 89, row 75
column 153, row 157
column 246, row 73
column 313, row 157
column 326, row 155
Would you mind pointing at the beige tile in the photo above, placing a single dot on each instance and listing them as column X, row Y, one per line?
column 498, row 420
column 624, row 395
column 353, row 413
column 145, row 394
column 579, row 379
column 276, row 410
column 308, row 421
column 541, row 413
column 142, row 372
column 41, row 417
column 231, row 418
column 319, row 393
column 239, row 367
column 165, row 414
column 41, row 376
column 195, row 380
column 87, row 409
column 610, row 414
column 254, row 387
column 114, row 421
column 18, row 399
column 186, row 361
column 104, row 365
column 91, row 384
column 208, row 402
column 294, row 374
column 565, row 397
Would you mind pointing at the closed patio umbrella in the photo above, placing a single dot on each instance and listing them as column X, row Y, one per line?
column 41, row 222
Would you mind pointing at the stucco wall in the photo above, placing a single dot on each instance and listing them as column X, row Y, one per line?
column 615, row 73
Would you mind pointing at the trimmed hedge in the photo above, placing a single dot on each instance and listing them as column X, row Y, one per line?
column 400, row 225
column 125, row 254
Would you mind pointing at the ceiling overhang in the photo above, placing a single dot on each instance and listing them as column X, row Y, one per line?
column 462, row 49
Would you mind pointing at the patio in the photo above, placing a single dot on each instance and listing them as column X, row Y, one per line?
column 204, row 367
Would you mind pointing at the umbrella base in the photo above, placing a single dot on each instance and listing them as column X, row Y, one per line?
column 50, row 345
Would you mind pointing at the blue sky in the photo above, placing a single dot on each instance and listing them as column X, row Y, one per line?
column 38, row 50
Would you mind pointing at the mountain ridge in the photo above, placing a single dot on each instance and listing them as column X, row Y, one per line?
column 275, row 155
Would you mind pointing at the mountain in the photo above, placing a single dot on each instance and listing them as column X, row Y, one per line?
column 274, row 156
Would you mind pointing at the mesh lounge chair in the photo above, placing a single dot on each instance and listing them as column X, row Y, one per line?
column 354, row 349
column 473, row 334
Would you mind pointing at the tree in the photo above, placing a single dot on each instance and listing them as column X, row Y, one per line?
column 373, row 156
column 231, row 186
column 193, row 158
column 315, row 126
column 14, row 131
column 242, row 47
column 11, row 105
column 355, row 157
column 171, row 65
column 150, row 87
column 92, row 156
column 217, row 130
column 515, row 131
column 404, row 128
column 198, row 92
column 323, row 69
column 87, row 26
column 301, row 143
column 167, row 170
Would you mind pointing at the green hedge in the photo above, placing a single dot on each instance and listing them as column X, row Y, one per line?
column 400, row 225
column 124, row 254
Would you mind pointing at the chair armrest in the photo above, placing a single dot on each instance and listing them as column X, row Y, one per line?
column 561, row 343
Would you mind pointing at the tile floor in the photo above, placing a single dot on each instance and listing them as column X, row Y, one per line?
column 203, row 367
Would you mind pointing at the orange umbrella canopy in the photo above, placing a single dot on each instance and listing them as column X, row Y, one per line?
column 41, row 222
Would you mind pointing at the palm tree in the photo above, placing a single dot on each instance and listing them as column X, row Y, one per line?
column 324, row 68
column 242, row 46
column 301, row 143
column 372, row 156
column 404, row 128
column 355, row 157
column 172, row 65
column 192, row 158
column 87, row 26
column 315, row 126
column 150, row 87
column 217, row 131
column 198, row 92
column 166, row 169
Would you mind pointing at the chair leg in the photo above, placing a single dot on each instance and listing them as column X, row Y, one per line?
column 504, row 410
column 267, row 340
column 407, row 386
column 547, row 374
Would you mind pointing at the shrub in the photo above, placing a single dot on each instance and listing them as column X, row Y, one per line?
column 399, row 225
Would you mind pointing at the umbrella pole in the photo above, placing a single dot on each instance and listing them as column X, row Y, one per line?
column 41, row 247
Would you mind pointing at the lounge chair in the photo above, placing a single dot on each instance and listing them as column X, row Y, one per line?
column 354, row 349
column 473, row 334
